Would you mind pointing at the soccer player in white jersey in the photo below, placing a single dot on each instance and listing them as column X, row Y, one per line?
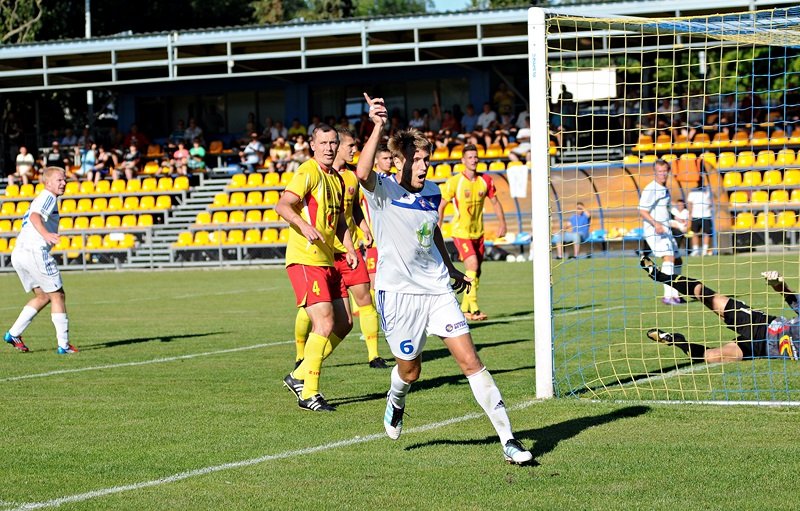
column 35, row 266
column 654, row 205
column 412, row 285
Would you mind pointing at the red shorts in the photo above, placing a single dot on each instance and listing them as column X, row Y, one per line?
column 351, row 277
column 372, row 260
column 470, row 247
column 315, row 284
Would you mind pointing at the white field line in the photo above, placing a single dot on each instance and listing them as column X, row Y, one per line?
column 81, row 497
column 670, row 374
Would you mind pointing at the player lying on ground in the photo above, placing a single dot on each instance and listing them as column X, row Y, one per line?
column 758, row 334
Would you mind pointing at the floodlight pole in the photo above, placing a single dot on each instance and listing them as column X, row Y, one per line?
column 540, row 202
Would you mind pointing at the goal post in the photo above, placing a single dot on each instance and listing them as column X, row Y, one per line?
column 716, row 97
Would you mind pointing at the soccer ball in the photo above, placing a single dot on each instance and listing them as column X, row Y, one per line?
column 511, row 258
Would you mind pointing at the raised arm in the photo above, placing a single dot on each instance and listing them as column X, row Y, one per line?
column 377, row 114
column 777, row 282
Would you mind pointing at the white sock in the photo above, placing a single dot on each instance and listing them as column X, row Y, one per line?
column 669, row 268
column 23, row 321
column 488, row 396
column 61, row 323
column 398, row 390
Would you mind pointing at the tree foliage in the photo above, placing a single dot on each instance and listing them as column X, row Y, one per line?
column 19, row 20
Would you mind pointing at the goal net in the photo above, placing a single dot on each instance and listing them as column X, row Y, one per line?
column 717, row 100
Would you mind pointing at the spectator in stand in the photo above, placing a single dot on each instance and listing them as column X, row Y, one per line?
column 701, row 207
column 486, row 119
column 55, row 158
column 393, row 126
column 579, row 232
column 266, row 133
column 302, row 153
column 504, row 99
column 278, row 130
column 102, row 167
column 24, row 167
column 364, row 127
column 469, row 120
column 114, row 138
column 130, row 164
column 315, row 120
column 69, row 139
column 680, row 223
column 417, row 121
column 523, row 120
column 178, row 133
column 435, row 116
column 137, row 138
column 193, row 131
column 344, row 123
column 252, row 155
column 13, row 131
column 197, row 157
column 280, row 153
column 87, row 157
column 449, row 123
column 85, row 138
column 296, row 129
column 523, row 150
column 180, row 159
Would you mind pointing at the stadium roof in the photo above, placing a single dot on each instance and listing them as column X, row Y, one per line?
column 463, row 37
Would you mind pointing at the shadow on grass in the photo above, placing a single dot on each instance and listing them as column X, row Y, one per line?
column 422, row 384
column 547, row 438
column 137, row 340
column 631, row 379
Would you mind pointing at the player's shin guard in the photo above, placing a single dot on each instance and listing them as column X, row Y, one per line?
column 61, row 323
column 470, row 301
column 398, row 389
column 333, row 341
column 309, row 370
column 302, row 327
column 488, row 396
column 368, row 317
column 23, row 321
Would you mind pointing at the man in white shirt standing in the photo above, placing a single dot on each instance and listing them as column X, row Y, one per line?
column 412, row 284
column 700, row 204
column 35, row 266
column 654, row 205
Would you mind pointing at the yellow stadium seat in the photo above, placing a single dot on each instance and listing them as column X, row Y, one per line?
column 272, row 179
column 751, row 178
column 154, row 151
column 114, row 204
column 270, row 215
column 645, row 143
column 765, row 158
column 131, row 203
column 759, row 137
column 219, row 217
column 681, row 143
column 630, row 159
column 744, row 221
column 721, row 139
column 649, row 158
column 457, row 152
column 269, row 236
column 145, row 220
column 163, row 202
column 726, row 160
column 740, row 138
column 237, row 199
column 458, row 168
column 252, row 236
column 429, row 174
column 87, row 187
column 779, row 196
column 236, row 217
column 785, row 157
column 795, row 196
column 84, row 205
column 64, row 224
column 786, row 220
column 732, row 179
column 12, row 191
column 216, row 147
column 759, row 197
column 494, row 151
column 663, row 142
column 109, row 241
column 670, row 157
column 255, row 180
column 16, row 226
column 100, row 204
column 164, row 184
column 11, row 244
column 283, row 236
column 129, row 221
column 253, row 216
column 151, row 167
column 238, row 181
column 271, row 197
column 791, row 177
column 220, row 200
column 147, row 203
column 10, row 208
column 443, row 171
column 701, row 141
column 254, row 198
column 184, row 239
column 3, row 245
column 113, row 222
column 746, row 159
column 62, row 244
column 118, row 186
column 201, row 238
column 94, row 242
column 102, row 186
column 286, row 177
column 72, row 188
column 499, row 166
column 235, row 236
column 481, row 150
column 772, row 178
column 97, row 222
column 134, row 185
column 128, row 241
column 27, row 190
column 149, row 184
column 81, row 223
column 737, row 198
column 217, row 237
column 440, row 153
column 203, row 218
column 778, row 138
column 482, row 166
column 709, row 159
column 764, row 220
column 180, row 184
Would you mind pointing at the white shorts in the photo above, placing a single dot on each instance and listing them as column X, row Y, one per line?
column 662, row 244
column 408, row 319
column 36, row 268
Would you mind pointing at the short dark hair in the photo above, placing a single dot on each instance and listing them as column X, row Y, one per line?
column 345, row 132
column 661, row 161
column 322, row 128
column 469, row 147
column 382, row 148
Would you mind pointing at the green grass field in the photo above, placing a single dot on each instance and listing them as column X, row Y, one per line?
column 175, row 402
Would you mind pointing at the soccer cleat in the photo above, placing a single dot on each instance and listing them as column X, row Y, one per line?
column 316, row 403
column 15, row 342
column 393, row 420
column 68, row 350
column 673, row 301
column 295, row 385
column 648, row 265
column 665, row 337
column 297, row 363
column 378, row 363
column 515, row 453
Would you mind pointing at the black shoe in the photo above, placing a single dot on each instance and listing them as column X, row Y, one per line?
column 316, row 403
column 293, row 384
column 378, row 363
column 665, row 337
column 297, row 363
